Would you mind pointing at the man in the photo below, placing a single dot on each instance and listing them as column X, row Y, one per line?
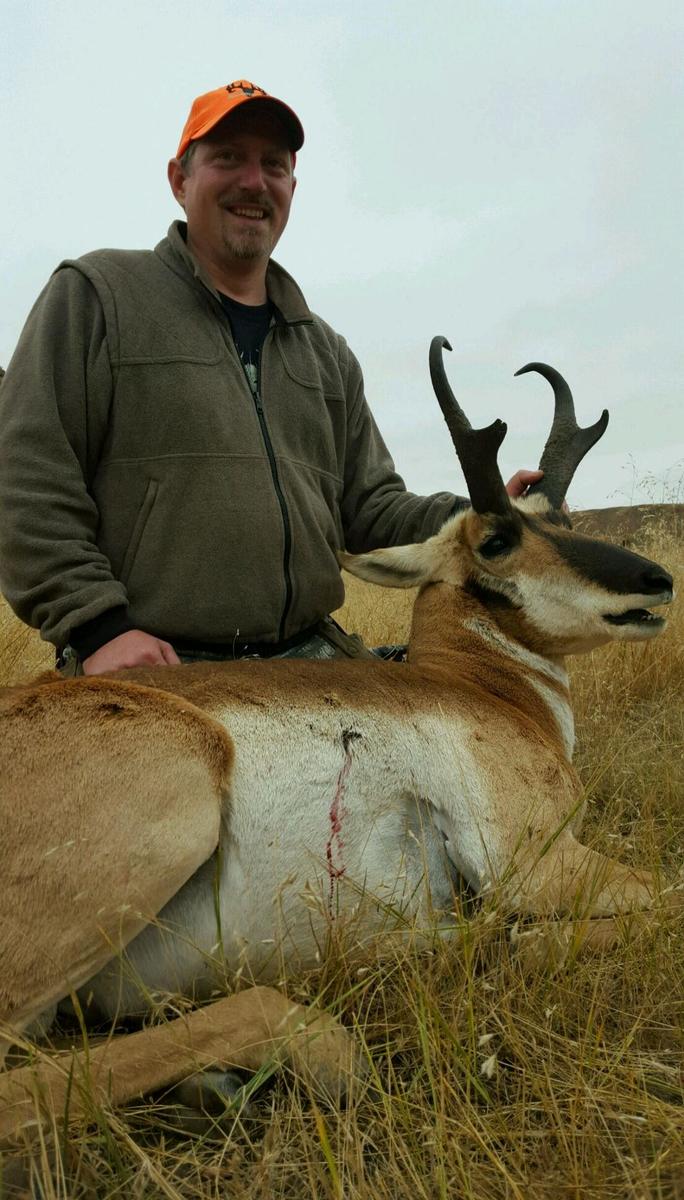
column 183, row 445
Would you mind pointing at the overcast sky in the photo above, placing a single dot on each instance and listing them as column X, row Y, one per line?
column 509, row 174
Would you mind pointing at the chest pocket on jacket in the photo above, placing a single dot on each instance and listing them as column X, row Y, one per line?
column 305, row 408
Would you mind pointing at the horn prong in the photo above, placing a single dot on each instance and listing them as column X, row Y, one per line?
column 567, row 442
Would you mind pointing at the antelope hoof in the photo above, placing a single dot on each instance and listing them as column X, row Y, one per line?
column 328, row 1059
column 209, row 1100
column 550, row 945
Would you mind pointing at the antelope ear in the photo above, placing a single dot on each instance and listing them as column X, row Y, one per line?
column 397, row 566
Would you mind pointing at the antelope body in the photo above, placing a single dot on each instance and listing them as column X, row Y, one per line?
column 360, row 791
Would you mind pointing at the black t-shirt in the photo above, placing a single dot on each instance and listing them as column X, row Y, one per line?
column 249, row 324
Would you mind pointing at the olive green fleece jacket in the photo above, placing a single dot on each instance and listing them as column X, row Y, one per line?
column 138, row 478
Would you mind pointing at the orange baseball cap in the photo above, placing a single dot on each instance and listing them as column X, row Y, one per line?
column 212, row 107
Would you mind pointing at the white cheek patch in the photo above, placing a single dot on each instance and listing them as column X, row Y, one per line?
column 573, row 610
column 565, row 607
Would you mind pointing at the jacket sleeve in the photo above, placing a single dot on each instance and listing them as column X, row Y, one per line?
column 54, row 408
column 377, row 510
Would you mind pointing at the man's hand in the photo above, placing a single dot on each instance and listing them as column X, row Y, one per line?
column 519, row 483
column 131, row 649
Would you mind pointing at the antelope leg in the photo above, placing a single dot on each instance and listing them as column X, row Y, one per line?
column 571, row 878
column 249, row 1030
column 551, row 943
column 95, row 844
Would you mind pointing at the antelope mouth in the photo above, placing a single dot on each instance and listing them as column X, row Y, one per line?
column 635, row 616
column 640, row 616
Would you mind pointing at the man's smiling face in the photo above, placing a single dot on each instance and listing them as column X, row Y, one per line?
column 237, row 188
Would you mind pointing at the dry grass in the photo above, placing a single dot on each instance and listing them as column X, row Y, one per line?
column 488, row 1083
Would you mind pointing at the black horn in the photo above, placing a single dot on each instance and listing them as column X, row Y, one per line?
column 476, row 448
column 567, row 443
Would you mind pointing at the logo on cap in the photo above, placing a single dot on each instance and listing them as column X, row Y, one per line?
column 248, row 89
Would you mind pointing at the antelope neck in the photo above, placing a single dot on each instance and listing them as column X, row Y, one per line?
column 456, row 639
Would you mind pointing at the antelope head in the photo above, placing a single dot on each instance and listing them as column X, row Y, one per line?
column 557, row 591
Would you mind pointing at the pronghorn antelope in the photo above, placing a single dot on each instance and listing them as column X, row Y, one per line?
column 360, row 791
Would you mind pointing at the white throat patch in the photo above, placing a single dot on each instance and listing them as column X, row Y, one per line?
column 537, row 666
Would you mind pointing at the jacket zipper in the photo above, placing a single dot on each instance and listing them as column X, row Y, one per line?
column 287, row 528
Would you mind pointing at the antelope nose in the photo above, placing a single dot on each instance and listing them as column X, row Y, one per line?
column 657, row 580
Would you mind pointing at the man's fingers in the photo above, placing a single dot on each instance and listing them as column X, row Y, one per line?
column 131, row 649
column 169, row 655
column 150, row 656
column 519, row 483
column 155, row 653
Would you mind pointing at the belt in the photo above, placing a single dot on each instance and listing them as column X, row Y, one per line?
column 239, row 649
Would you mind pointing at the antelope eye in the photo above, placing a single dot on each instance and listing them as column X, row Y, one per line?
column 497, row 544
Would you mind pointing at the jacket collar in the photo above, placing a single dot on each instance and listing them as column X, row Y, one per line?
column 281, row 287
